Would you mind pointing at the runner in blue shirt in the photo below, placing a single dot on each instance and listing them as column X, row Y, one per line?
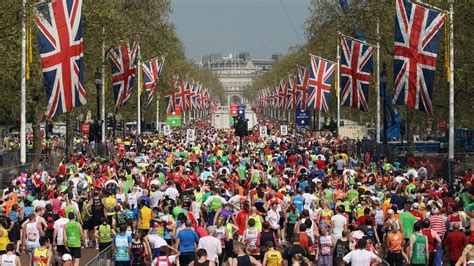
column 121, row 247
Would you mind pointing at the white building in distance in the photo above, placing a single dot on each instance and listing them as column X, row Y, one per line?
column 236, row 71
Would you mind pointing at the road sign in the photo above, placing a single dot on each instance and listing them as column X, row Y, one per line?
column 174, row 120
column 241, row 111
column 166, row 130
column 234, row 108
column 190, row 135
column 263, row 131
column 302, row 117
column 284, row 130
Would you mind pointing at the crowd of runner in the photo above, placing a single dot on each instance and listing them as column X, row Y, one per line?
column 281, row 200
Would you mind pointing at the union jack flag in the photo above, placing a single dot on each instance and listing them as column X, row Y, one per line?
column 169, row 100
column 61, row 48
column 356, row 66
column 195, row 96
column 282, row 91
column 188, row 95
column 301, row 88
column 319, row 84
column 151, row 72
column 291, row 94
column 180, row 95
column 206, row 99
column 124, row 61
column 415, row 54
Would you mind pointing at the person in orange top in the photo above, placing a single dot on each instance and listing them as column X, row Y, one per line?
column 395, row 244
column 339, row 194
column 9, row 203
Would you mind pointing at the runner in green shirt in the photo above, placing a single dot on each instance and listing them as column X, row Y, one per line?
column 407, row 220
column 418, row 248
column 73, row 235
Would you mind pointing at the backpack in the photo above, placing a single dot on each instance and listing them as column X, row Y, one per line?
column 159, row 260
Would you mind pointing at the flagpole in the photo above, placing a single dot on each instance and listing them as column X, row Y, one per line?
column 139, row 116
column 23, row 88
column 338, row 89
column 319, row 57
column 157, row 110
column 378, row 82
column 102, row 107
column 451, row 92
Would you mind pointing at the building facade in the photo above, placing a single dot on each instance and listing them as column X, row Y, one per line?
column 236, row 71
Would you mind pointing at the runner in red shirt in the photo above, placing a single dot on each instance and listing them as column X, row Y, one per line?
column 455, row 242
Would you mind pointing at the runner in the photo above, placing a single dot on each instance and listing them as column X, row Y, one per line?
column 287, row 190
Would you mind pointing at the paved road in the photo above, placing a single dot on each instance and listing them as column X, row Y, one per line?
column 87, row 255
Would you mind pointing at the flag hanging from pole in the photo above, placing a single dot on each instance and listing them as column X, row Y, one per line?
column 291, row 94
column 169, row 101
column 180, row 95
column 301, row 87
column 123, row 61
column 356, row 66
column 151, row 72
column 321, row 75
column 61, row 49
column 417, row 35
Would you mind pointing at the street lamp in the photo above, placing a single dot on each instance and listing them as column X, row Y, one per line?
column 98, row 86
column 383, row 87
column 383, row 91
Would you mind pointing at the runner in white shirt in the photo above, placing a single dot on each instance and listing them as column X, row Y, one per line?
column 211, row 244
column 339, row 223
column 172, row 192
column 273, row 217
column 361, row 256
column 10, row 259
column 58, row 235
column 308, row 199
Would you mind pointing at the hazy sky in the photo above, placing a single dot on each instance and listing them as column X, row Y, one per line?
column 260, row 27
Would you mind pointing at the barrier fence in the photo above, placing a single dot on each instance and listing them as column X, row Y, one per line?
column 102, row 259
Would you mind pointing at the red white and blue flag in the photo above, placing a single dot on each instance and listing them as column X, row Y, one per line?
column 291, row 94
column 301, row 88
column 356, row 66
column 169, row 101
column 123, row 61
column 180, row 95
column 61, row 48
column 195, row 96
column 321, row 75
column 187, row 95
column 151, row 72
column 282, row 89
column 417, row 35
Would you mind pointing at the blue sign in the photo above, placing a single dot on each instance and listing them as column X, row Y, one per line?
column 302, row 117
column 241, row 111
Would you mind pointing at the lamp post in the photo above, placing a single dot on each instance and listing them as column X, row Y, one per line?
column 97, row 126
column 383, row 88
